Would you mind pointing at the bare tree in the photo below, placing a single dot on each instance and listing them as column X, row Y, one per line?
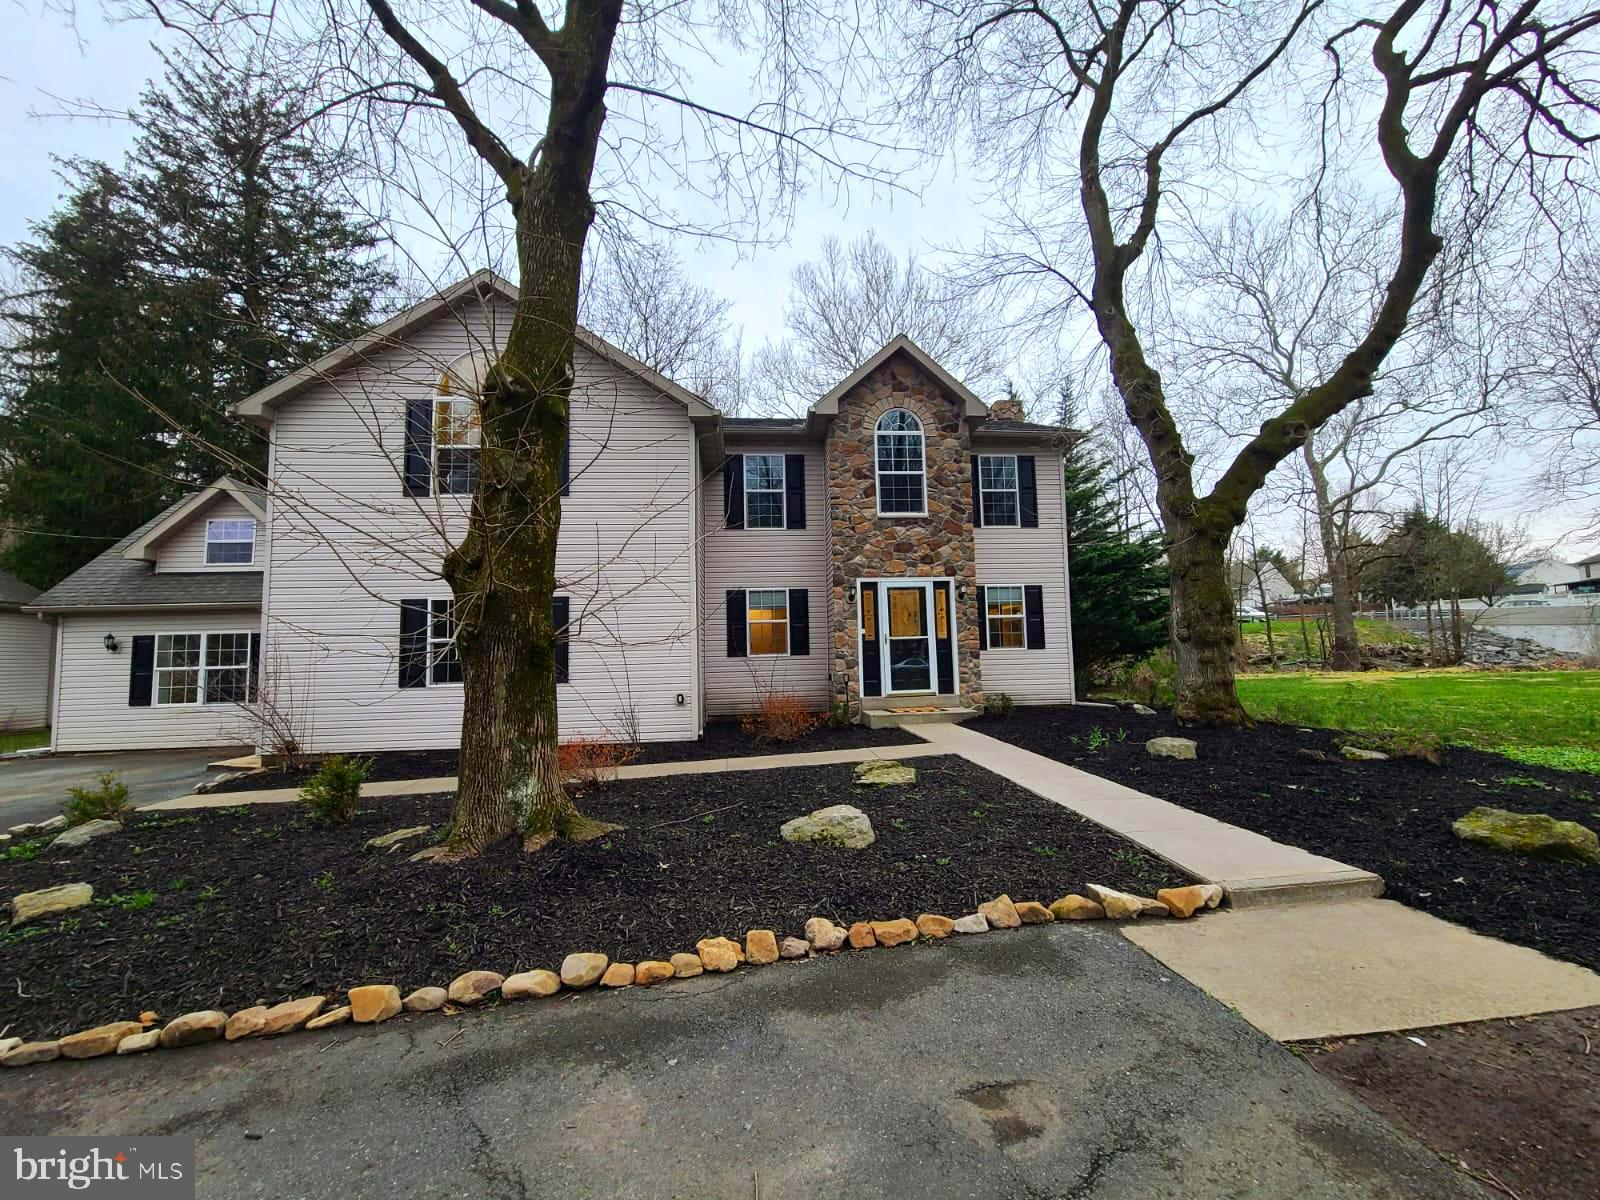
column 1561, row 325
column 1138, row 113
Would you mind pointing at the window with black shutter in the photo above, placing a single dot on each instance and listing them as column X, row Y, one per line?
column 561, row 610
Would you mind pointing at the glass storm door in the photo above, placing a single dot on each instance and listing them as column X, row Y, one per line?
column 908, row 646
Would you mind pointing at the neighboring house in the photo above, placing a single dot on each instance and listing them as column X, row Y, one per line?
column 25, row 642
column 1541, row 576
column 157, row 639
column 1588, row 581
column 703, row 560
column 1250, row 581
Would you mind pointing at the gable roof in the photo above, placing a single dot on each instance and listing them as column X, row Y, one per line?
column 828, row 405
column 14, row 592
column 480, row 285
column 190, row 507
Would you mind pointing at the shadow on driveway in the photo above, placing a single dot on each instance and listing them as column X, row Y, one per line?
column 32, row 789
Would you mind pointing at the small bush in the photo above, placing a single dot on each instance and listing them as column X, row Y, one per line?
column 782, row 717
column 999, row 704
column 839, row 715
column 334, row 792
column 592, row 762
column 108, row 802
column 1151, row 681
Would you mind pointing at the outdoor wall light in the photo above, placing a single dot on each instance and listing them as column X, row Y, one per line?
column 110, row 643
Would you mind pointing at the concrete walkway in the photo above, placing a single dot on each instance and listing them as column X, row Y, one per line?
column 1254, row 869
column 702, row 766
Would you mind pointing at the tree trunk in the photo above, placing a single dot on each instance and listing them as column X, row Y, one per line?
column 1204, row 626
column 1346, row 644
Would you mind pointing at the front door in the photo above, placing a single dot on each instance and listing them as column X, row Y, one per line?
column 907, row 647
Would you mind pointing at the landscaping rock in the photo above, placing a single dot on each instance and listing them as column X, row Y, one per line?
column 686, row 966
column 1000, row 913
column 216, row 781
column 1144, row 710
column 390, row 841
column 840, row 825
column 138, row 1043
column 971, row 923
column 193, row 1028
column 650, row 971
column 1073, row 907
column 291, row 1015
column 931, row 925
column 1535, row 834
column 87, row 832
column 1171, row 747
column 247, row 1022
column 30, row 829
column 579, row 971
column 861, row 937
column 29, row 1053
column 425, row 999
column 894, row 933
column 883, row 773
column 529, row 985
column 761, row 947
column 473, row 986
column 102, row 1039
column 1359, row 754
column 47, row 902
column 823, row 934
column 372, row 1004
column 618, row 975
column 1125, row 906
column 793, row 947
column 1034, row 913
column 334, row 1016
column 1183, row 902
column 718, row 953
column 9, row 1043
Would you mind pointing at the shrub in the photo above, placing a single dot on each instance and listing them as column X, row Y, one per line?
column 839, row 715
column 334, row 792
column 782, row 717
column 1151, row 680
column 999, row 704
column 108, row 802
column 593, row 762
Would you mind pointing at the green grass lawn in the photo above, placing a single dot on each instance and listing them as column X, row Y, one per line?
column 1548, row 718
column 1291, row 635
column 23, row 739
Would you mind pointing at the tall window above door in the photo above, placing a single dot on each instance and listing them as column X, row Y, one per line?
column 901, row 465
column 997, row 489
column 763, row 491
column 456, row 438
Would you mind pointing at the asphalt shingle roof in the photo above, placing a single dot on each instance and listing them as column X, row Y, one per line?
column 13, row 591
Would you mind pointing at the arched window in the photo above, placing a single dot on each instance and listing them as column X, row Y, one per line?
column 456, row 433
column 902, row 467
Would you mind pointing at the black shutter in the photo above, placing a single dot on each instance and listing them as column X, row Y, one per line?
column 944, row 648
column 560, row 615
column 1033, row 615
column 733, row 491
column 871, row 666
column 566, row 459
column 413, row 643
column 1027, row 492
column 142, row 670
column 255, row 666
column 983, row 619
column 738, row 642
column 977, row 495
column 799, row 621
column 419, row 446
column 794, row 491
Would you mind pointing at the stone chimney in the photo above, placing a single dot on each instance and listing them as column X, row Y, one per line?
column 1009, row 409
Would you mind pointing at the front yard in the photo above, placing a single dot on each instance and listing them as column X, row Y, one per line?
column 12, row 740
column 229, row 907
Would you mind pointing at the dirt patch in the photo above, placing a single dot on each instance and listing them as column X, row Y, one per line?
column 1392, row 817
column 722, row 739
column 227, row 907
column 1517, row 1102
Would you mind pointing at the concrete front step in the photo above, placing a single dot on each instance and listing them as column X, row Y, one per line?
column 891, row 718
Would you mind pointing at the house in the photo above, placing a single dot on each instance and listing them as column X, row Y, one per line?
column 1541, row 576
column 1587, row 582
column 1249, row 582
column 25, row 644
column 900, row 545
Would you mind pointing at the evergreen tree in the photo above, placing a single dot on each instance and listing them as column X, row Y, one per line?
column 155, row 299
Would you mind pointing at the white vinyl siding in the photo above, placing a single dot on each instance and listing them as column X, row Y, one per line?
column 777, row 558
column 26, row 648
column 1010, row 556
column 347, row 546
column 94, row 713
column 185, row 548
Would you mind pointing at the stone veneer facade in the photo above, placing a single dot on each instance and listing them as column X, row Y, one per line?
column 864, row 545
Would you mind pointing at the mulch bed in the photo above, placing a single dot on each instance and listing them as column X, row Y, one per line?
column 1392, row 817
column 722, row 739
column 1517, row 1102
column 256, row 903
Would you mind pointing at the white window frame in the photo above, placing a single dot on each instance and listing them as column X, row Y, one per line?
column 788, row 609
column 200, row 670
column 437, row 646
column 878, row 433
column 782, row 491
column 451, row 400
column 1015, row 491
column 214, row 523
column 989, row 589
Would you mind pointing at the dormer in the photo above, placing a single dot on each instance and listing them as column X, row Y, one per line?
column 219, row 528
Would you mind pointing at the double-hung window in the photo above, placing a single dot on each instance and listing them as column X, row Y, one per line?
column 763, row 491
column 230, row 543
column 444, row 660
column 767, row 615
column 997, row 488
column 1005, row 618
column 196, row 668
column 901, row 465
column 456, row 440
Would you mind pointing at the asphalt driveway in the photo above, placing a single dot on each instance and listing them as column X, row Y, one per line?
column 1046, row 1065
column 33, row 788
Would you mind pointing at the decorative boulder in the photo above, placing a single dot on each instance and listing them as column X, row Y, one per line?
column 840, row 825
column 793, row 947
column 1125, row 906
column 102, row 1039
column 883, row 773
column 650, row 971
column 373, row 1002
column 473, row 986
column 290, row 1015
column 618, row 975
column 932, row 925
column 894, row 933
column 1034, row 913
column 823, row 934
column 1534, row 834
column 1000, row 913
column 87, row 832
column 425, row 999
column 527, row 985
column 1171, row 747
column 718, row 954
column 391, row 841
column 686, row 966
column 1361, row 754
column 971, row 923
column 583, row 970
column 47, row 902
column 193, row 1028
column 1183, row 902
column 1143, row 710
column 761, row 947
